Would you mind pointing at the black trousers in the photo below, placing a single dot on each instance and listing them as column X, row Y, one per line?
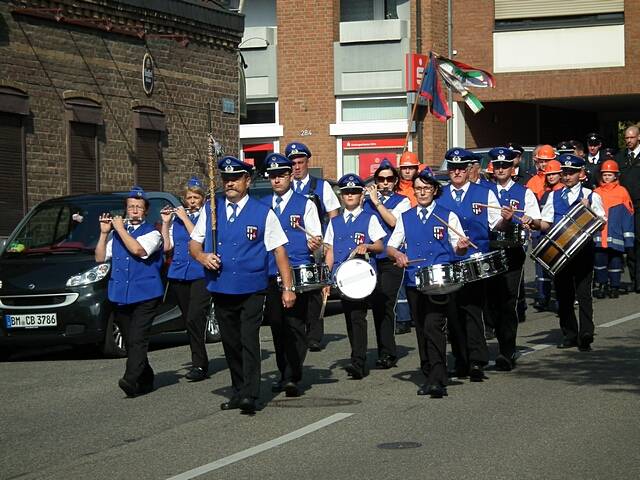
column 383, row 303
column 316, row 322
column 355, row 314
column 428, row 313
column 633, row 254
column 135, row 323
column 466, row 327
column 503, row 294
column 239, row 318
column 194, row 300
column 289, row 329
column 572, row 283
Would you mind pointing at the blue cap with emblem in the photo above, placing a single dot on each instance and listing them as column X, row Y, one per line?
column 594, row 139
column 385, row 164
column 350, row 181
column 137, row 192
column 568, row 160
column 502, row 154
column 194, row 182
column 231, row 164
column 276, row 162
column 296, row 149
column 476, row 157
column 458, row 157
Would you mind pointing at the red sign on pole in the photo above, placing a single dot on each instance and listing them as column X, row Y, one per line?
column 416, row 64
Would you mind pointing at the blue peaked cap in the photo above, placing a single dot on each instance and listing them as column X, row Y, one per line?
column 296, row 149
column 350, row 180
column 137, row 192
column 276, row 162
column 231, row 164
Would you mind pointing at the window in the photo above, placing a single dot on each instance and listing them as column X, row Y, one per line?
column 375, row 109
column 260, row 113
column 12, row 172
column 362, row 10
column 83, row 158
column 148, row 159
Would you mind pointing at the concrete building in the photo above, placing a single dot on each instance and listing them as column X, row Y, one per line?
column 333, row 74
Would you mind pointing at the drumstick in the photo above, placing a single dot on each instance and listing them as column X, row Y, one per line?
column 455, row 230
column 306, row 231
column 325, row 296
column 498, row 207
column 416, row 260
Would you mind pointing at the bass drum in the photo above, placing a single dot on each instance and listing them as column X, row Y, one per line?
column 355, row 279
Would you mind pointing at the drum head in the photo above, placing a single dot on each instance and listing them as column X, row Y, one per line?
column 356, row 279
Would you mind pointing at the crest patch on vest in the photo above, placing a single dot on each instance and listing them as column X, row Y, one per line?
column 438, row 232
column 252, row 232
column 294, row 220
column 515, row 204
column 476, row 208
column 358, row 238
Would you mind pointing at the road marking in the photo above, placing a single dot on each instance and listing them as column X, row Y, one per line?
column 619, row 320
column 535, row 348
column 249, row 452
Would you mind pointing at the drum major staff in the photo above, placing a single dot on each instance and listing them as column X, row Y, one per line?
column 355, row 232
column 574, row 280
column 135, row 286
column 237, row 275
column 298, row 216
column 427, row 239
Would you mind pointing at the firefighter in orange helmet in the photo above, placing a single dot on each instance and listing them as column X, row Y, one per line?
column 408, row 170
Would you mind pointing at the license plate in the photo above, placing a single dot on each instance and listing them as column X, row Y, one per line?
column 31, row 320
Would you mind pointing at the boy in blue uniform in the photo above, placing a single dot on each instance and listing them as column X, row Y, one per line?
column 237, row 275
column 289, row 325
column 428, row 239
column 360, row 232
column 135, row 286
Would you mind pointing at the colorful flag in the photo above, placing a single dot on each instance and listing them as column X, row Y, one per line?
column 469, row 76
column 456, row 84
column 431, row 88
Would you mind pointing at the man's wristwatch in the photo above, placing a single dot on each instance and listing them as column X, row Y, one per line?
column 289, row 289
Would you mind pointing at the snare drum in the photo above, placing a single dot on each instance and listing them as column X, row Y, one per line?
column 516, row 236
column 439, row 279
column 483, row 265
column 566, row 237
column 309, row 277
column 355, row 279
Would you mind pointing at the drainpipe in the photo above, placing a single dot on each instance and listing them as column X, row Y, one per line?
column 450, row 55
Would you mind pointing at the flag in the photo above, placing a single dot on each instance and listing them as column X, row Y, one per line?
column 474, row 104
column 469, row 76
column 431, row 88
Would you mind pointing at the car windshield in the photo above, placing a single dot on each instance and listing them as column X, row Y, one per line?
column 69, row 225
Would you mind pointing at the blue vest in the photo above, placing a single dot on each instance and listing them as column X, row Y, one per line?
column 134, row 279
column 346, row 237
column 183, row 266
column 392, row 202
column 429, row 240
column 319, row 191
column 561, row 206
column 297, row 248
column 487, row 184
column 241, row 249
column 474, row 219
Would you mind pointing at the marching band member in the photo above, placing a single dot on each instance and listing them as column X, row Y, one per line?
column 512, row 196
column 427, row 239
column 135, row 286
column 466, row 326
column 319, row 191
column 617, row 235
column 186, row 275
column 237, row 274
column 387, row 206
column 361, row 233
column 474, row 172
column 289, row 325
column 574, row 280
column 520, row 175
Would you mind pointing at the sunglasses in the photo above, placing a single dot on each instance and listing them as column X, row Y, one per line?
column 351, row 191
column 382, row 179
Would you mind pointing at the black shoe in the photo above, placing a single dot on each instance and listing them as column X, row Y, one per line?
column 357, row 373
column 130, row 389
column 599, row 291
column 277, row 387
column 458, row 373
column 145, row 388
column 386, row 361
column 437, row 391
column 402, row 328
column 247, row 405
column 291, row 389
column 567, row 344
column 315, row 347
column 614, row 292
column 503, row 364
column 232, row 404
column 196, row 374
column 585, row 342
column 476, row 373
column 489, row 333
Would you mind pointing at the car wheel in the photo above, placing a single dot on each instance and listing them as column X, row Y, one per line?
column 113, row 345
column 213, row 330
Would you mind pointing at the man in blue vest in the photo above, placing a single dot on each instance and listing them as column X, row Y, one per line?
column 387, row 205
column 355, row 232
column 321, row 193
column 237, row 274
column 503, row 290
column 574, row 281
column 466, row 326
column 135, row 286
column 299, row 218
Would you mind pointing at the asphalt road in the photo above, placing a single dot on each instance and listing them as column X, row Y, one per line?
column 560, row 414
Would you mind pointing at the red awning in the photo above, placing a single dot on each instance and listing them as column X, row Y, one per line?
column 364, row 143
column 258, row 147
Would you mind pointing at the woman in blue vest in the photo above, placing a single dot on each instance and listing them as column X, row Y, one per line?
column 237, row 274
column 359, row 232
column 574, row 281
column 186, row 275
column 135, row 286
column 289, row 325
column 387, row 206
column 427, row 238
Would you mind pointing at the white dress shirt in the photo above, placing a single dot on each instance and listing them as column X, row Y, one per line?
column 548, row 211
column 310, row 217
column 374, row 229
column 329, row 199
column 531, row 207
column 397, row 237
column 151, row 242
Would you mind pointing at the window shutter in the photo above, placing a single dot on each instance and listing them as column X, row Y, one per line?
column 513, row 9
column 149, row 159
column 83, row 161
column 11, row 173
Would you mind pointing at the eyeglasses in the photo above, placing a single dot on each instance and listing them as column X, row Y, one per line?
column 427, row 189
column 351, row 191
column 382, row 179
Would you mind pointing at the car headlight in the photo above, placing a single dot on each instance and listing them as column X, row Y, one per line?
column 92, row 275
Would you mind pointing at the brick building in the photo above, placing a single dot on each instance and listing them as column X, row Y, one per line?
column 332, row 74
column 75, row 113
